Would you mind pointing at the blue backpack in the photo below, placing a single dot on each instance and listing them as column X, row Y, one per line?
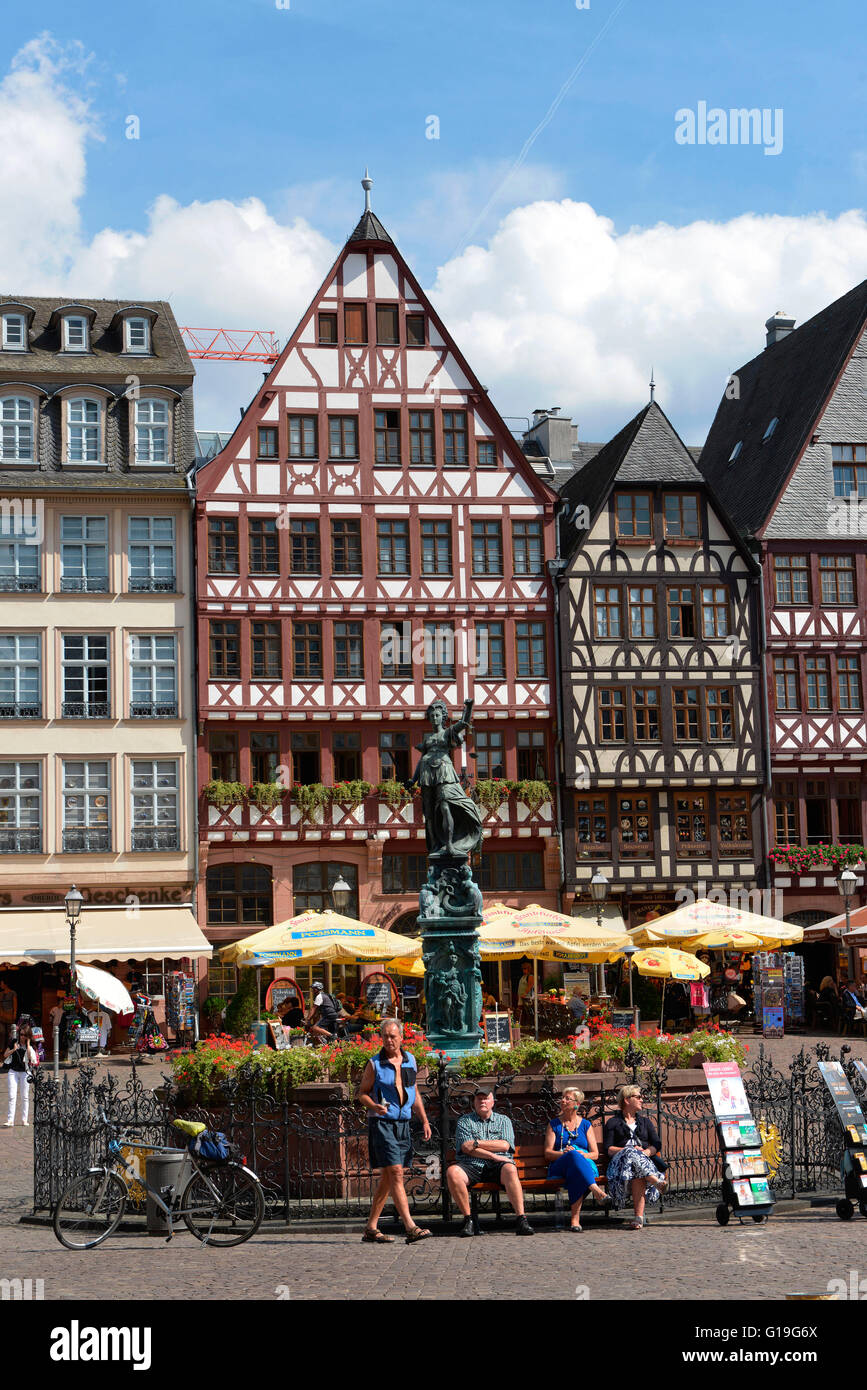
column 213, row 1146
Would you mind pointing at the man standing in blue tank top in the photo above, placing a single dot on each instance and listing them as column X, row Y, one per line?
column 388, row 1092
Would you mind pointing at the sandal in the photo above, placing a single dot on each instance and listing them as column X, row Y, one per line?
column 415, row 1235
column 377, row 1238
column 578, row 1230
column 636, row 1225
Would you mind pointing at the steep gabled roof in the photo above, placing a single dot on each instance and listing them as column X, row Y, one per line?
column 790, row 381
column 106, row 357
column 369, row 229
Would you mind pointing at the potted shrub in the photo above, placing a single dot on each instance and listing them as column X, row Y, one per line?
column 491, row 792
column 212, row 1012
column 533, row 793
column 395, row 793
column 311, row 798
column 266, row 795
column 351, row 793
column 224, row 794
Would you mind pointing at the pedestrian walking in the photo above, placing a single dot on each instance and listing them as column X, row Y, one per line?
column 388, row 1092
column 19, row 1061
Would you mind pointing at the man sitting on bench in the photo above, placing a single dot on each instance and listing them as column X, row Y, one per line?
column 484, row 1149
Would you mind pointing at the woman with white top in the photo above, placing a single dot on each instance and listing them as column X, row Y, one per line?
column 20, row 1058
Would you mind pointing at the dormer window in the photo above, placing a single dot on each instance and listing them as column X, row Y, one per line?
column 770, row 430
column 14, row 333
column 736, row 451
column 75, row 333
column 136, row 335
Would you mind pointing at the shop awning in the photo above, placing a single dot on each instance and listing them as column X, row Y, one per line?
column 835, row 927
column 28, row 936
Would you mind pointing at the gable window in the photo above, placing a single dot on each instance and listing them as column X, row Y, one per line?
column 346, row 547
column 490, row 651
column 19, row 556
column 222, row 545
column 415, row 330
column 225, row 650
column 394, row 757
column 392, row 547
column 75, row 333
column 266, row 442
column 786, row 821
column 84, row 555
column 849, row 683
column 305, row 555
column 436, row 547
column 455, row 438
column 20, row 676
column 642, row 612
column 818, row 683
column 155, row 796
column 633, row 515
column 355, row 323
column 17, row 436
column 489, row 754
column 85, row 676
column 14, row 333
column 386, row 436
column 263, row 544
column 387, row 324
column 645, row 714
column 486, row 453
column 530, row 649
column 346, row 752
column 527, row 556
column 223, row 753
column 348, row 652
column 342, row 437
column 86, row 808
column 20, row 808
column 151, row 430
column 302, row 437
column 786, row 682
column 714, row 612
column 421, row 437
column 531, row 755
column 136, row 335
column 611, row 713
column 153, row 676
column 681, row 612
column 791, row 579
column 837, row 577
column 307, row 652
column 439, row 651
column 635, row 823
column 84, row 430
column 606, row 610
column 849, row 462
column 719, row 714
column 327, row 328
column 264, row 756
column 266, row 658
column 487, row 547
column 681, row 516
column 687, row 723
column 395, row 653
column 151, row 554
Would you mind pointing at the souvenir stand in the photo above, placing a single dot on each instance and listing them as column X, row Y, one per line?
column 854, row 1164
column 745, row 1186
column 181, row 1007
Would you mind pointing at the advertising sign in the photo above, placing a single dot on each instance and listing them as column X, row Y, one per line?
column 727, row 1094
column 848, row 1108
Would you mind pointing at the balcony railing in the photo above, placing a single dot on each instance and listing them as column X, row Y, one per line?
column 24, row 841
column 15, row 584
column 150, row 838
column 153, row 586
column 85, row 585
column 161, row 710
column 19, row 711
column 95, row 709
column 94, row 840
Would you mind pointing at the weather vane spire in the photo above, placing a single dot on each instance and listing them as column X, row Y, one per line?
column 366, row 184
column 652, row 386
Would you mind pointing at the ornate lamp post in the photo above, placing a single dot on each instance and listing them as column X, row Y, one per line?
column 599, row 892
column 846, row 884
column 341, row 892
column 72, row 902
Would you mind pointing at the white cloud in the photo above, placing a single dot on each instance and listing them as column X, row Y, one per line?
column 556, row 307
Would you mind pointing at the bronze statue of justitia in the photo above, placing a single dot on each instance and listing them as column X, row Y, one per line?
column 452, row 821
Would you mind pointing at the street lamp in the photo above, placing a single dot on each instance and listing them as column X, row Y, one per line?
column 599, row 892
column 846, row 884
column 72, row 902
column 341, row 892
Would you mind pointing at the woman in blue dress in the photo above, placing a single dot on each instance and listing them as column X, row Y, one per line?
column 571, row 1151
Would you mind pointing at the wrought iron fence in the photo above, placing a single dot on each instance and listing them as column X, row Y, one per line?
column 312, row 1158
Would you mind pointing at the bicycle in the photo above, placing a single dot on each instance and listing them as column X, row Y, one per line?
column 221, row 1204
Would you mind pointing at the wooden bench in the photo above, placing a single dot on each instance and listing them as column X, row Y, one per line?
column 532, row 1169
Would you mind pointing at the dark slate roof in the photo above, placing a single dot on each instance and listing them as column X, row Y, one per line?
column 792, row 381
column 106, row 359
column 558, row 472
column 646, row 451
column 369, row 229
column 91, row 480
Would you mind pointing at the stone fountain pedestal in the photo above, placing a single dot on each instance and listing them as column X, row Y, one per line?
column 450, row 917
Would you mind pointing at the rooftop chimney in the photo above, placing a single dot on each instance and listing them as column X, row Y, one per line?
column 778, row 327
column 553, row 433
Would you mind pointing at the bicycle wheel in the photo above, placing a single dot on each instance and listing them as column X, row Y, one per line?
column 90, row 1209
column 224, row 1205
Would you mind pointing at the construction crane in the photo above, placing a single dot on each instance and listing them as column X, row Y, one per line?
column 231, row 344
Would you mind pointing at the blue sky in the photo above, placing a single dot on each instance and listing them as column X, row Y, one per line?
column 238, row 99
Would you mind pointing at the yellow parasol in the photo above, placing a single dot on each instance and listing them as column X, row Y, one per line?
column 403, row 966
column 704, row 915
column 321, row 937
column 663, row 963
column 726, row 939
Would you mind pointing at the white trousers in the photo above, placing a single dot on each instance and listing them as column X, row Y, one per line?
column 18, row 1085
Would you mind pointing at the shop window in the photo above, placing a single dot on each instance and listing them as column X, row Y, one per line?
column 592, row 825
column 691, row 821
column 733, row 820
column 635, row 824
column 238, row 894
column 222, row 979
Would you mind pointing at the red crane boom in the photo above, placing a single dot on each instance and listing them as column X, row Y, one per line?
column 231, row 344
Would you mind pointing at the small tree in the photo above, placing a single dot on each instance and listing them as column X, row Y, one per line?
column 242, row 1012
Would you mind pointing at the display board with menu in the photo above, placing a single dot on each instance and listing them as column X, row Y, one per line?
column 497, row 1028
column 746, row 1185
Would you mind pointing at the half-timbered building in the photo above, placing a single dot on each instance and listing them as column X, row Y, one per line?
column 370, row 539
column 787, row 452
column 662, row 708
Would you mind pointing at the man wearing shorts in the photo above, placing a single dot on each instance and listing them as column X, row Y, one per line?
column 389, row 1094
column 484, row 1149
